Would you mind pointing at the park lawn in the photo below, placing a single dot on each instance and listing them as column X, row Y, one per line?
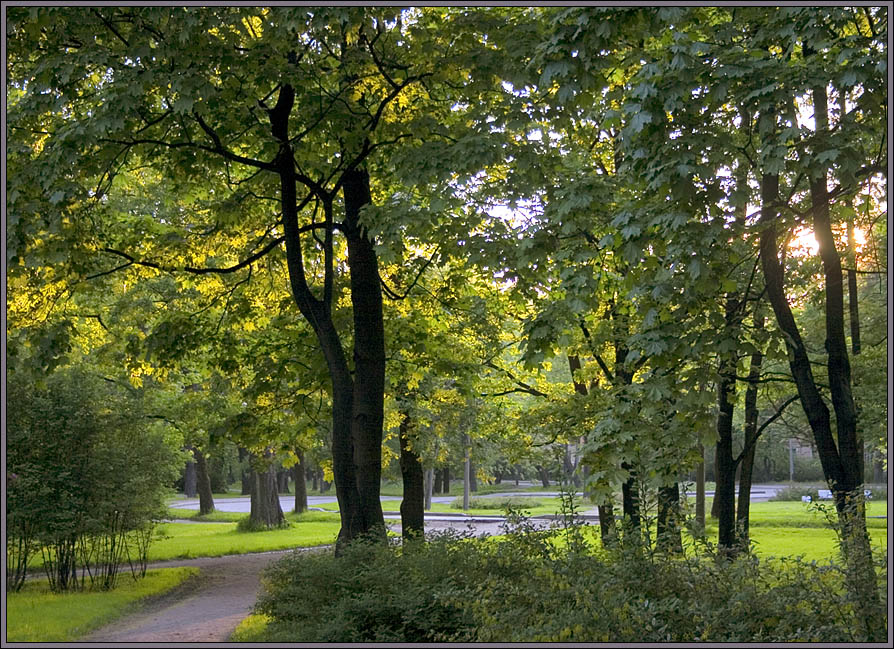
column 36, row 614
column 191, row 540
column 187, row 540
column 813, row 544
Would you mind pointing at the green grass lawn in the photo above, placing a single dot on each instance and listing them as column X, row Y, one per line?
column 35, row 614
column 185, row 540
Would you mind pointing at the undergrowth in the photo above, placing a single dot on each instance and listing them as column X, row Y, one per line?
column 552, row 585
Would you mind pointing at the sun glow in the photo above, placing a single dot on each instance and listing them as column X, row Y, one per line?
column 804, row 241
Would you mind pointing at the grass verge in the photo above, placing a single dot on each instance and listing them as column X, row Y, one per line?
column 251, row 629
column 36, row 614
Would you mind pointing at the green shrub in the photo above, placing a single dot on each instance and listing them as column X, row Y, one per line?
column 499, row 504
column 797, row 492
column 526, row 587
column 86, row 477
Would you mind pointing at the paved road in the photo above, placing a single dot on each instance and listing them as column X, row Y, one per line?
column 391, row 504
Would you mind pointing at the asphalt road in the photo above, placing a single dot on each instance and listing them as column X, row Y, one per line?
column 242, row 504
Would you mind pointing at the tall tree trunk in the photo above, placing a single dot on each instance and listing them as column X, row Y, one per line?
column 203, row 483
column 298, row 475
column 412, row 508
column 429, row 484
column 853, row 302
column 725, row 466
column 669, row 535
column 630, row 500
column 608, row 531
column 445, row 481
column 544, row 475
column 265, row 508
column 467, row 461
column 743, row 510
column 282, row 481
column 473, row 476
column 369, row 356
column 189, row 480
column 700, row 491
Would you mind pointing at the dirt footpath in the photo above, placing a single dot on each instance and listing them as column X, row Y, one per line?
column 206, row 608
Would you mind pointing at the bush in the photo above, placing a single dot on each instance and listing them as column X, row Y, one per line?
column 87, row 478
column 796, row 493
column 524, row 587
column 500, row 504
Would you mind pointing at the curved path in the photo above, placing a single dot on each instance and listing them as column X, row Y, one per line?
column 206, row 608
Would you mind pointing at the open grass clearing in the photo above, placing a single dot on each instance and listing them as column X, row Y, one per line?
column 36, row 614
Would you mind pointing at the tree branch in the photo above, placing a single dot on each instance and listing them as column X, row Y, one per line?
column 763, row 426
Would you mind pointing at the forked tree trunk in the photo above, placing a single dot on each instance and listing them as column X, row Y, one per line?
column 203, row 483
column 318, row 312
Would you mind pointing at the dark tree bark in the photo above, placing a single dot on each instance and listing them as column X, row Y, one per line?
column 630, row 500
column 282, row 481
column 743, row 510
column 669, row 535
column 246, row 472
column 298, row 475
column 189, row 480
column 544, row 475
column 412, row 508
column 265, row 508
column 429, row 485
column 203, row 483
column 725, row 466
column 700, row 491
column 369, row 356
column 853, row 301
column 445, row 481
column 473, row 476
